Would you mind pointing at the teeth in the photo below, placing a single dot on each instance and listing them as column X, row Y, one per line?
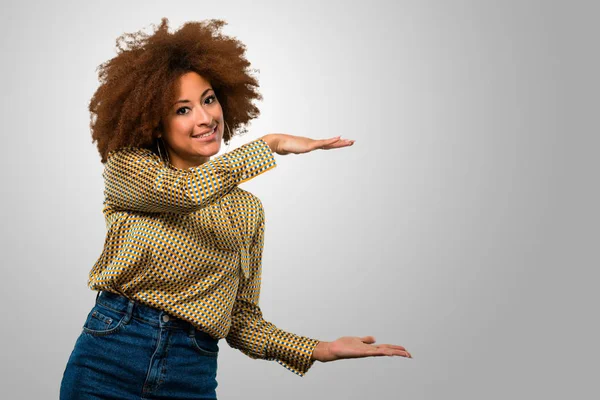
column 206, row 134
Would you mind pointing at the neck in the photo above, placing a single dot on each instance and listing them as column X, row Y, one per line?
column 185, row 163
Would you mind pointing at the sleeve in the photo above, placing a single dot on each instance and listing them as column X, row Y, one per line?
column 260, row 339
column 136, row 179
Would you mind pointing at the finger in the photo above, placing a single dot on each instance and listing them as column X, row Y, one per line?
column 368, row 339
column 393, row 346
column 342, row 142
column 337, row 139
column 338, row 144
column 319, row 144
column 400, row 353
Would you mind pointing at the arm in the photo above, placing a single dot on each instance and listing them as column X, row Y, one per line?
column 136, row 179
column 260, row 339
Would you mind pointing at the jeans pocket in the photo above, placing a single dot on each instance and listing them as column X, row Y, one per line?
column 202, row 345
column 103, row 321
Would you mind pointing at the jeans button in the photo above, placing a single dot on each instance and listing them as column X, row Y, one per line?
column 165, row 318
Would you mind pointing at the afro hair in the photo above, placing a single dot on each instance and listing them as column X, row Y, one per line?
column 138, row 85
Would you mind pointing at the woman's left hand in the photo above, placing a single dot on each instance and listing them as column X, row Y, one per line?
column 356, row 347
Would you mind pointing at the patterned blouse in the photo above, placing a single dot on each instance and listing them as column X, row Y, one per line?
column 189, row 242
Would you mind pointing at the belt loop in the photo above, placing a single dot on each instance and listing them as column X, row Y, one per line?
column 192, row 330
column 97, row 295
column 127, row 317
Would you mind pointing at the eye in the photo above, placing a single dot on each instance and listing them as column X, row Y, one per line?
column 182, row 108
column 211, row 97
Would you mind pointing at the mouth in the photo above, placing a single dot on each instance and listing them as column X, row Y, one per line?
column 206, row 136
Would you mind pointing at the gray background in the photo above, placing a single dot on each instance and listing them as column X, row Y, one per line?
column 462, row 224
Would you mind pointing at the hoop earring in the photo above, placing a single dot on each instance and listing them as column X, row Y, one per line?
column 159, row 152
column 230, row 135
column 158, row 148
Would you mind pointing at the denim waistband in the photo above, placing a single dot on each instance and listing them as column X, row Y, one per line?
column 150, row 315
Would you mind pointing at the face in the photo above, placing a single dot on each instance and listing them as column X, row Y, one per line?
column 196, row 112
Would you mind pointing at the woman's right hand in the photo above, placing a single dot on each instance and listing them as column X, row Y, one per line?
column 283, row 144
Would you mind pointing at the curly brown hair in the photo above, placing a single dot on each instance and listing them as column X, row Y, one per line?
column 141, row 82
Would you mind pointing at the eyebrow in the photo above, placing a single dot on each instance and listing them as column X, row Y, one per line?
column 187, row 101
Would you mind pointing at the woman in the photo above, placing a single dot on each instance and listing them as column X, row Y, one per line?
column 181, row 264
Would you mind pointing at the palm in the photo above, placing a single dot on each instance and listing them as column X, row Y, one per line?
column 357, row 347
column 298, row 145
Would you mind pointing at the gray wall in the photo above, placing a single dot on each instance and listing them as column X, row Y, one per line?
column 462, row 224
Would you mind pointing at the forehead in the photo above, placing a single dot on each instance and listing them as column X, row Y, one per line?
column 192, row 82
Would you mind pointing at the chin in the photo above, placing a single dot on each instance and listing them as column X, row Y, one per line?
column 207, row 150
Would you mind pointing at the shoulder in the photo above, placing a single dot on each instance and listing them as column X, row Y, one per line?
column 246, row 202
column 132, row 151
column 130, row 157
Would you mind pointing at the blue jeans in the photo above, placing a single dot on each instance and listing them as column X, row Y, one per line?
column 128, row 350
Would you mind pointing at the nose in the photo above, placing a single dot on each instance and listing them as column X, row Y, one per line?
column 203, row 117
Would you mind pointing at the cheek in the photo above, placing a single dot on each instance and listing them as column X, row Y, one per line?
column 180, row 128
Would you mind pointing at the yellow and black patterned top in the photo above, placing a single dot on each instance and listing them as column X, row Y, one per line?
column 190, row 242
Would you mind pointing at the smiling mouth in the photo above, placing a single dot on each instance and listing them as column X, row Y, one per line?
column 206, row 135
